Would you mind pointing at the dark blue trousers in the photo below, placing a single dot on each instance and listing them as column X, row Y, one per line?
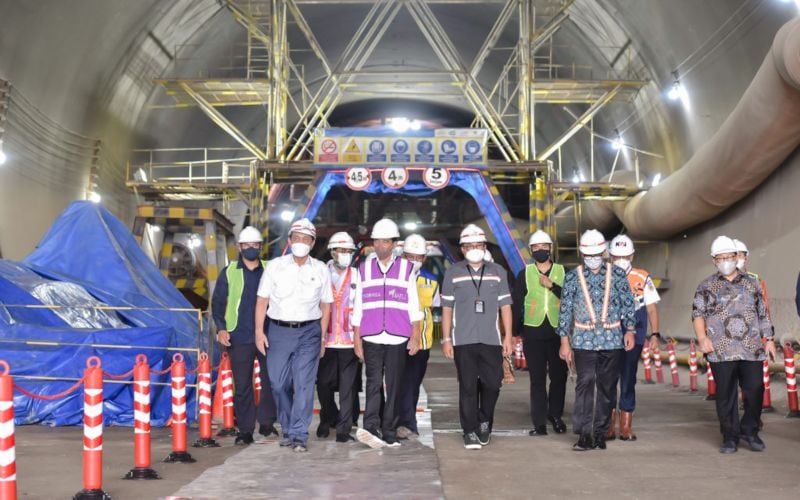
column 627, row 380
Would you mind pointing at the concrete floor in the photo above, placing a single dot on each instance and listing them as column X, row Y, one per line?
column 676, row 454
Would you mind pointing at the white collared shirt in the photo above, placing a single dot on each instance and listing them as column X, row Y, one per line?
column 295, row 291
column 414, row 311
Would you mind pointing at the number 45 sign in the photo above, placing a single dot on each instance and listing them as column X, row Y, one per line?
column 358, row 179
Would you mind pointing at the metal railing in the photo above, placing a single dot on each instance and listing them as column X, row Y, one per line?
column 190, row 166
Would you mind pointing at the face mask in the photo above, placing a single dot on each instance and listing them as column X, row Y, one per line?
column 474, row 256
column 593, row 262
column 541, row 256
column 251, row 253
column 416, row 266
column 300, row 249
column 623, row 264
column 740, row 264
column 342, row 259
column 726, row 267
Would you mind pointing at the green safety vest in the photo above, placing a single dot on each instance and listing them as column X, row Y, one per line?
column 539, row 301
column 235, row 277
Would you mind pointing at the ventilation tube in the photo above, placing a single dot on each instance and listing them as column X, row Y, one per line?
column 760, row 133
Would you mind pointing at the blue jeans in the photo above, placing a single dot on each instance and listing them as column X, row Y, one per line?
column 627, row 380
column 293, row 361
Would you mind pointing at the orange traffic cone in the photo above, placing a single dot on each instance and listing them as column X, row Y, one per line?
column 216, row 407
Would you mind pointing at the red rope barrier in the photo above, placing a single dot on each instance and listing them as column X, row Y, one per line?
column 50, row 397
column 118, row 377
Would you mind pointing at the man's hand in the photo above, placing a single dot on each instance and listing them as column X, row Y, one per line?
column 508, row 348
column 772, row 352
column 545, row 281
column 654, row 343
column 629, row 340
column 224, row 338
column 565, row 353
column 447, row 350
column 262, row 343
column 706, row 346
column 322, row 350
column 358, row 347
column 413, row 345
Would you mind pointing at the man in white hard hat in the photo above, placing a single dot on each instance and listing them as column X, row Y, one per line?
column 233, row 306
column 386, row 321
column 415, row 249
column 338, row 365
column 742, row 260
column 295, row 295
column 537, row 292
column 644, row 291
column 475, row 294
column 596, row 323
column 733, row 329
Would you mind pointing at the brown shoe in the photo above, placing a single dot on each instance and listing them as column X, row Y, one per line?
column 612, row 427
column 626, row 420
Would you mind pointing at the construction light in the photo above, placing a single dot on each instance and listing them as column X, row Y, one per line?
column 617, row 143
column 287, row 216
column 576, row 179
column 140, row 175
column 656, row 180
column 410, row 226
column 94, row 197
column 3, row 156
column 403, row 124
column 195, row 241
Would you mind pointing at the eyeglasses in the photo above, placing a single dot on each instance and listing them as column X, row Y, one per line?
column 473, row 246
column 250, row 245
column 725, row 258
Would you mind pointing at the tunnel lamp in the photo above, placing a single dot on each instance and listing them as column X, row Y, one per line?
column 195, row 241
column 410, row 226
column 618, row 143
column 94, row 197
column 656, row 180
column 576, row 179
column 3, row 156
column 402, row 124
column 287, row 216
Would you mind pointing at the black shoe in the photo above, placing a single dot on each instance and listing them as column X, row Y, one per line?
column 584, row 443
column 344, row 438
column 484, row 434
column 599, row 443
column 286, row 442
column 471, row 441
column 559, row 427
column 268, row 431
column 754, row 442
column 244, row 438
column 539, row 430
column 324, row 430
column 728, row 446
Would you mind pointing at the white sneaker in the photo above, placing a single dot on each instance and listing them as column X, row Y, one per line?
column 369, row 439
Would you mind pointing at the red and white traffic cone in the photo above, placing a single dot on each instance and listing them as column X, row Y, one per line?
column 657, row 360
column 204, row 401
column 92, row 432
column 179, row 453
column 712, row 386
column 256, row 381
column 8, row 461
column 519, row 354
column 692, row 368
column 791, row 381
column 766, row 402
column 141, row 422
column 673, row 364
column 648, row 365
column 226, row 379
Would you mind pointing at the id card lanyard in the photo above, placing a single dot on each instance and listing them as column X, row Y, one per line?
column 479, row 304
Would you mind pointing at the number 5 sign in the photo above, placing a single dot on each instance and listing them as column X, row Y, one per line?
column 358, row 179
column 436, row 177
column 394, row 177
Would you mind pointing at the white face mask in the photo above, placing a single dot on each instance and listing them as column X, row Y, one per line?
column 740, row 264
column 623, row 264
column 416, row 266
column 343, row 259
column 726, row 267
column 593, row 261
column 300, row 249
column 474, row 256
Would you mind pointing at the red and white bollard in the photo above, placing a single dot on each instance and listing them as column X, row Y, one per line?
column 204, row 401
column 141, row 422
column 673, row 364
column 657, row 361
column 519, row 354
column 692, row 367
column 712, row 386
column 179, row 453
column 226, row 379
column 648, row 365
column 257, row 381
column 8, row 461
column 791, row 381
column 92, row 432
column 766, row 402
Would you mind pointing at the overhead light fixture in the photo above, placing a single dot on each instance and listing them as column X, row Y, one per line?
column 94, row 197
column 415, row 125
column 195, row 241
column 287, row 215
column 656, row 180
column 410, row 226
column 140, row 175
column 403, row 124
column 677, row 91
column 3, row 156
column 617, row 143
column 575, row 178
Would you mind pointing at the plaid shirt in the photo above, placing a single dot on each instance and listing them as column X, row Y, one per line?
column 736, row 317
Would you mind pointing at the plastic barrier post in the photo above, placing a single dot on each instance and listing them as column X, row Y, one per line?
column 179, row 453
column 692, row 367
column 673, row 364
column 204, row 400
column 141, row 422
column 648, row 365
column 92, row 433
column 226, row 379
column 712, row 386
column 791, row 381
column 8, row 462
column 766, row 402
column 257, row 381
column 659, row 371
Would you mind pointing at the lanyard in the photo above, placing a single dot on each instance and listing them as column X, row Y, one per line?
column 480, row 281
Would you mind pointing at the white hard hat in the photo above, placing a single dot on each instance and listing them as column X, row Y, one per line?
column 250, row 235
column 303, row 226
column 593, row 242
column 722, row 244
column 415, row 244
column 341, row 240
column 539, row 237
column 621, row 246
column 385, row 229
column 740, row 246
column 472, row 234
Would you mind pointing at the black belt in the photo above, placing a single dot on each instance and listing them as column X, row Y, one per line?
column 293, row 324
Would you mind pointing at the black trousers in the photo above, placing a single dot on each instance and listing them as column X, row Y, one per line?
column 598, row 374
column 242, row 358
column 337, row 371
column 416, row 366
column 543, row 360
column 384, row 364
column 729, row 375
column 476, row 402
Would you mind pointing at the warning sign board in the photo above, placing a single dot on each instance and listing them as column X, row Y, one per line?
column 358, row 179
column 354, row 151
column 376, row 151
column 448, row 151
column 328, row 151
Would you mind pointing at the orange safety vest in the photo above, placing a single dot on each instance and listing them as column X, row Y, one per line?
column 590, row 305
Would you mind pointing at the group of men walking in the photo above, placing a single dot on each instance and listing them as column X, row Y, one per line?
column 310, row 322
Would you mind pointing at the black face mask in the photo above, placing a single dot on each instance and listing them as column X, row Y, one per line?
column 251, row 253
column 541, row 255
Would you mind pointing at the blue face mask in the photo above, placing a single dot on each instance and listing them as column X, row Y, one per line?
column 251, row 253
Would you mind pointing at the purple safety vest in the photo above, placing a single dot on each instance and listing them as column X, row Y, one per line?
column 384, row 298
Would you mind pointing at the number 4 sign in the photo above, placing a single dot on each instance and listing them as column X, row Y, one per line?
column 436, row 177
column 358, row 179
column 394, row 177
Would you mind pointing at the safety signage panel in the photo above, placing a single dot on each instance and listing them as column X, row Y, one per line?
column 354, row 151
column 328, row 151
column 358, row 178
column 423, row 151
column 472, row 151
column 436, row 177
column 401, row 151
column 376, row 151
column 394, row 177
column 448, row 151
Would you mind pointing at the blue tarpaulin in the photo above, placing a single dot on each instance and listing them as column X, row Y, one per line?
column 87, row 259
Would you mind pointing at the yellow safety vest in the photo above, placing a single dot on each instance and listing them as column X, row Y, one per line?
column 539, row 301
column 427, row 290
column 235, row 277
